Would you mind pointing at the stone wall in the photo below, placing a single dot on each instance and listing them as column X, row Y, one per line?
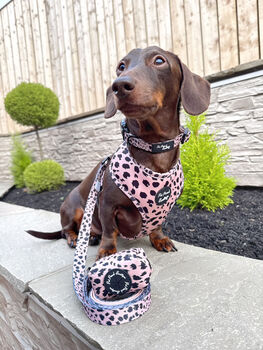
column 25, row 324
column 5, row 158
column 235, row 113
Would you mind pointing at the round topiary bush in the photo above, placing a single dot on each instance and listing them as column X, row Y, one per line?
column 44, row 176
column 32, row 104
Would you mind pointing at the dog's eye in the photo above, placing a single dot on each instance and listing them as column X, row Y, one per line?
column 121, row 66
column 159, row 60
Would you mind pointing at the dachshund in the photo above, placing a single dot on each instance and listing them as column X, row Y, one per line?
column 151, row 85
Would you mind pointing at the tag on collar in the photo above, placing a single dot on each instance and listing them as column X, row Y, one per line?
column 162, row 146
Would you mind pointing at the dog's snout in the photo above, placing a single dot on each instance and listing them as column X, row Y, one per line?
column 122, row 86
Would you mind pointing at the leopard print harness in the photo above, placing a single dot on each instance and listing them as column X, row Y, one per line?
column 153, row 194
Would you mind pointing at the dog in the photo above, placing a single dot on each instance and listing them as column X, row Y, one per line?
column 151, row 85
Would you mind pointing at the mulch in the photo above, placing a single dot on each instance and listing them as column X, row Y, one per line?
column 236, row 229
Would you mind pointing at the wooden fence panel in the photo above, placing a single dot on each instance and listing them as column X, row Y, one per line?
column 194, row 37
column 4, row 81
column 164, row 25
column 140, row 23
column 119, row 28
column 21, row 40
column 96, row 54
column 228, row 34
column 260, row 23
column 111, row 37
column 56, row 62
column 151, row 22
column 28, row 30
column 73, row 46
column 88, row 94
column 37, row 41
column 247, row 30
column 209, row 23
column 103, row 47
column 129, row 25
column 178, row 29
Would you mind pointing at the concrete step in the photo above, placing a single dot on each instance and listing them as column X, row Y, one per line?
column 201, row 299
column 4, row 187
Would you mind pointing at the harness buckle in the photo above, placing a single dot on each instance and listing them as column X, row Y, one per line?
column 124, row 128
column 98, row 186
column 186, row 135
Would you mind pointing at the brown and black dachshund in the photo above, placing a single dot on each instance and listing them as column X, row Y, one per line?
column 150, row 85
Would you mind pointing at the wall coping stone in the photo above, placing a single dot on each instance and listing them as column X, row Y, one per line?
column 236, row 71
column 201, row 299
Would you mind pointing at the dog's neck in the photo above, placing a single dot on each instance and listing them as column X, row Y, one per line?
column 161, row 127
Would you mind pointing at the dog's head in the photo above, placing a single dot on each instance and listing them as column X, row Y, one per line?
column 151, row 79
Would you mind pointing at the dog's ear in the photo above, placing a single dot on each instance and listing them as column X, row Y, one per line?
column 195, row 91
column 110, row 109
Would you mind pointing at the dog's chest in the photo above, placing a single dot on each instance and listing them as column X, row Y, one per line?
column 154, row 194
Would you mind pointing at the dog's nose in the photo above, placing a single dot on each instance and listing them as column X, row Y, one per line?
column 123, row 86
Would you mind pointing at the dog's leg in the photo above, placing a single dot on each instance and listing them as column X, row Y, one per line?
column 161, row 242
column 95, row 234
column 71, row 237
column 108, row 244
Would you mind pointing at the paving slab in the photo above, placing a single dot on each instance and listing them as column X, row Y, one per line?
column 5, row 187
column 7, row 209
column 201, row 299
column 25, row 257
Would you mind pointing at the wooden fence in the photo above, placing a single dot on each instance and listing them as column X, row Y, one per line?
column 72, row 46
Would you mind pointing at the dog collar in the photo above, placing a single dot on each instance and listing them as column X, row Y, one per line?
column 116, row 289
column 158, row 147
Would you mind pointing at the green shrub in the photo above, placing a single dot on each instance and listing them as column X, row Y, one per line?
column 21, row 158
column 44, row 176
column 32, row 104
column 203, row 160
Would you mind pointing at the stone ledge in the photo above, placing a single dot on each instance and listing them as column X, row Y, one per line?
column 201, row 299
column 236, row 71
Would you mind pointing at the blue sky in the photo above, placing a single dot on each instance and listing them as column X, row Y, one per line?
column 3, row 3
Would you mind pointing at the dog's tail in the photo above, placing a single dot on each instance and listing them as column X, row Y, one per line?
column 46, row 235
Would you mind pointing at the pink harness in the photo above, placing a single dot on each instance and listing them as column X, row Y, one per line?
column 153, row 194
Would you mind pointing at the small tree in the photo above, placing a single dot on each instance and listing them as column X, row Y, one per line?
column 203, row 160
column 34, row 105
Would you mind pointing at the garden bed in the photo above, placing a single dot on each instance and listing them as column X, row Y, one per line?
column 237, row 229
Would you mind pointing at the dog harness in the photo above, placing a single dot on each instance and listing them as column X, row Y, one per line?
column 153, row 194
column 116, row 289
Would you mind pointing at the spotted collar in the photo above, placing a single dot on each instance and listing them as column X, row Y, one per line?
column 154, row 148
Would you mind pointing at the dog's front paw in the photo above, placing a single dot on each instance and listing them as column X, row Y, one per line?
column 72, row 238
column 164, row 244
column 94, row 240
column 105, row 252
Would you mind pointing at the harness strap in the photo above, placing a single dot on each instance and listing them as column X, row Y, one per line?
column 158, row 147
column 80, row 257
column 107, row 312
